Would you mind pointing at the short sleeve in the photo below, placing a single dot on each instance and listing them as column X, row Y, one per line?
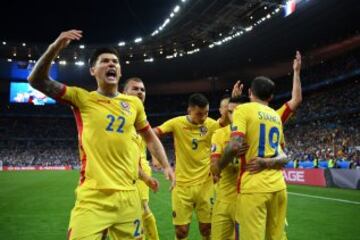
column 239, row 121
column 73, row 95
column 167, row 127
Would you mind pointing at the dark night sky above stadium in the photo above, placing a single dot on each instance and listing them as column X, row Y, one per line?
column 111, row 20
column 106, row 21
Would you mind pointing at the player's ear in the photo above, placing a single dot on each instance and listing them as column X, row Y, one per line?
column 92, row 71
column 188, row 110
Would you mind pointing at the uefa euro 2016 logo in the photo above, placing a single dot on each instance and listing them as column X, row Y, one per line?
column 203, row 131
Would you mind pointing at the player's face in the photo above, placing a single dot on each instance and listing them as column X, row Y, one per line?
column 198, row 115
column 107, row 69
column 224, row 107
column 136, row 89
column 231, row 107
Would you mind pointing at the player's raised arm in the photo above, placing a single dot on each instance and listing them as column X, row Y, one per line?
column 157, row 150
column 296, row 95
column 39, row 77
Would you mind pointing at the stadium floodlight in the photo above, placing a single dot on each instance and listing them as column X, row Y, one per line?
column 29, row 55
column 172, row 15
column 137, row 40
column 248, row 29
column 4, row 43
column 169, row 56
column 127, row 62
column 9, row 60
column 62, row 62
column 82, row 46
column 148, row 59
column 211, row 45
column 14, row 54
column 79, row 63
column 176, row 9
column 23, row 44
column 121, row 44
column 183, row 1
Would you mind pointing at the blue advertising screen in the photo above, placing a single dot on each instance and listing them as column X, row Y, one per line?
column 24, row 93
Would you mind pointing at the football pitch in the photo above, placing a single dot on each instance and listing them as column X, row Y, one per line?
column 37, row 204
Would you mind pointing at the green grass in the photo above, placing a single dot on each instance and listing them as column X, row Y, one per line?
column 36, row 205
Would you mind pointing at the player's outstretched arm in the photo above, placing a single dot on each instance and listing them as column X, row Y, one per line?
column 157, row 150
column 39, row 77
column 151, row 182
column 258, row 164
column 296, row 94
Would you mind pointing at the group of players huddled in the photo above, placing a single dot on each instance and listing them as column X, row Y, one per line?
column 228, row 171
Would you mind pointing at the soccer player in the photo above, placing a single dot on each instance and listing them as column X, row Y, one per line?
column 262, row 202
column 223, row 214
column 194, row 188
column 135, row 87
column 107, row 199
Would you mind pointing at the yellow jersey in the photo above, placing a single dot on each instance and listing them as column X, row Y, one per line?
column 226, row 187
column 108, row 150
column 192, row 148
column 261, row 127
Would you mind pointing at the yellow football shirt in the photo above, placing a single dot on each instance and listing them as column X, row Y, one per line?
column 107, row 137
column 285, row 112
column 192, row 148
column 226, row 187
column 261, row 127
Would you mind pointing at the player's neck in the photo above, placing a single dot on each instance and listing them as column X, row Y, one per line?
column 108, row 92
column 260, row 101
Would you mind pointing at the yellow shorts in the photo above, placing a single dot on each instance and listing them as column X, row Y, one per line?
column 142, row 187
column 187, row 198
column 223, row 220
column 98, row 213
column 261, row 215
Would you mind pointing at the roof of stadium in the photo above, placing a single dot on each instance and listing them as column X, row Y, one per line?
column 238, row 38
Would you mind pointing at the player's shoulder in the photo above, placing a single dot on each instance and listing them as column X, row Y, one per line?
column 76, row 89
column 211, row 121
column 222, row 131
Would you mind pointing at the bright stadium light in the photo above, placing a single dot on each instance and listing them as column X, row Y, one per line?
column 62, row 62
column 79, row 63
column 82, row 46
column 176, row 9
column 9, row 60
column 137, row 40
column 121, row 44
column 148, row 59
column 23, row 44
column 4, row 43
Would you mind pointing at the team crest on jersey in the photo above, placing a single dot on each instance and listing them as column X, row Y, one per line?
column 213, row 147
column 125, row 106
column 203, row 130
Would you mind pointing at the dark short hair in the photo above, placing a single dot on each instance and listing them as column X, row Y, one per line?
column 97, row 52
column 239, row 99
column 263, row 87
column 198, row 99
column 135, row 79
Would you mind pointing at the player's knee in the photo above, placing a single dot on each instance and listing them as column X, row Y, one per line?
column 205, row 229
column 181, row 231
